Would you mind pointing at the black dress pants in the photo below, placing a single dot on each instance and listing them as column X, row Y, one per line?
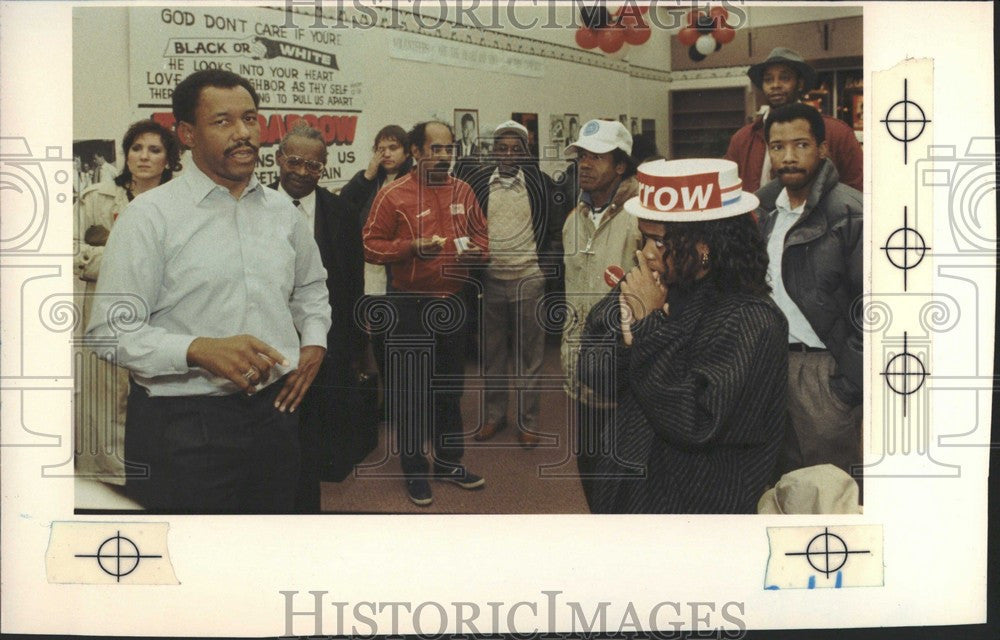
column 212, row 454
column 424, row 379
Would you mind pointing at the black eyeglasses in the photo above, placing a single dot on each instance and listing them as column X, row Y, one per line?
column 297, row 162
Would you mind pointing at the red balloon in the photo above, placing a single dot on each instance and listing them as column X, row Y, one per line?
column 644, row 9
column 724, row 35
column 611, row 39
column 688, row 36
column 637, row 35
column 718, row 15
column 586, row 38
column 629, row 20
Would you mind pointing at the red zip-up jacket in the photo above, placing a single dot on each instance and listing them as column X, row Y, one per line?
column 405, row 210
column 747, row 148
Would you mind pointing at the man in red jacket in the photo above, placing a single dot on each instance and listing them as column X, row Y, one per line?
column 429, row 227
column 783, row 77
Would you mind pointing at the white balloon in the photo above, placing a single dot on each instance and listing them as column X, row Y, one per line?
column 613, row 7
column 705, row 44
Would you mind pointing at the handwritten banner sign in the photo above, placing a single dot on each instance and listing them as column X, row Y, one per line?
column 300, row 74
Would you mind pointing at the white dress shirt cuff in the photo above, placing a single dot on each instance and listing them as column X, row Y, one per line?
column 313, row 334
column 174, row 348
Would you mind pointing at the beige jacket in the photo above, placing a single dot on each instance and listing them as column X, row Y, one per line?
column 101, row 387
column 588, row 252
column 99, row 205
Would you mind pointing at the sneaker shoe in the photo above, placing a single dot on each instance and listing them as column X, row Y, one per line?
column 460, row 476
column 420, row 492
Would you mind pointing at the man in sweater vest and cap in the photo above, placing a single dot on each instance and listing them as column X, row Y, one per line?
column 524, row 219
column 597, row 237
column 783, row 77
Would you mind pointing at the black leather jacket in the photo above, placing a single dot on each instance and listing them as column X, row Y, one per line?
column 822, row 269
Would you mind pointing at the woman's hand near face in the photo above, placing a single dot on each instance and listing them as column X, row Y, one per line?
column 642, row 291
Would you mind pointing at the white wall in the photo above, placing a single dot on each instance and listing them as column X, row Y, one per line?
column 405, row 91
column 397, row 91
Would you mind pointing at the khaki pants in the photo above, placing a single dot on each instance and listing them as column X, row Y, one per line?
column 514, row 344
column 828, row 430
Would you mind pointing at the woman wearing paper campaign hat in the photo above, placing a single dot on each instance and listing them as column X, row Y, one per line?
column 699, row 350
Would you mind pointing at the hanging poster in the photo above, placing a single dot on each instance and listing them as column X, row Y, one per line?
column 300, row 74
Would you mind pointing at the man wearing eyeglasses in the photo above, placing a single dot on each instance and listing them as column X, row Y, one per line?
column 428, row 226
column 301, row 157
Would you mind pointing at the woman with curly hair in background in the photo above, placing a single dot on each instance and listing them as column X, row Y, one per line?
column 152, row 155
column 692, row 349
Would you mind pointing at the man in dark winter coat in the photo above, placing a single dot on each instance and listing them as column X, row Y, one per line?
column 813, row 226
column 390, row 160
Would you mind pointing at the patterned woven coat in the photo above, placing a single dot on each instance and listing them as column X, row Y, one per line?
column 701, row 401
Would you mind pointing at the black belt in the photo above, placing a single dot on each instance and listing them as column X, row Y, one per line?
column 803, row 348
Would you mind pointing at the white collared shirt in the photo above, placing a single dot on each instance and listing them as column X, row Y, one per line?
column 307, row 204
column 188, row 260
column 799, row 329
column 515, row 181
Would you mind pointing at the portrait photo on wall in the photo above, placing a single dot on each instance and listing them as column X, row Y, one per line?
column 557, row 130
column 93, row 162
column 572, row 121
column 466, row 133
column 530, row 122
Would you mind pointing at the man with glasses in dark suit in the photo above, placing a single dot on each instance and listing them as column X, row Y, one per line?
column 301, row 158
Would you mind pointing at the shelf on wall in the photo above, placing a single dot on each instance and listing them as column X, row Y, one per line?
column 708, row 139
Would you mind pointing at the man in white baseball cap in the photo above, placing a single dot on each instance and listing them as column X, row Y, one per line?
column 597, row 235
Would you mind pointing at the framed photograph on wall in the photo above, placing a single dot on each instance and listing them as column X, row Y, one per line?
column 466, row 133
column 573, row 123
column 557, row 129
column 530, row 122
column 93, row 162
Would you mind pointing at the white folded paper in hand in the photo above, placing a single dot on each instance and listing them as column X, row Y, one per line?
column 462, row 244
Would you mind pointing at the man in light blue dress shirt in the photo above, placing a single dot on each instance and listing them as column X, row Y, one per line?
column 215, row 293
